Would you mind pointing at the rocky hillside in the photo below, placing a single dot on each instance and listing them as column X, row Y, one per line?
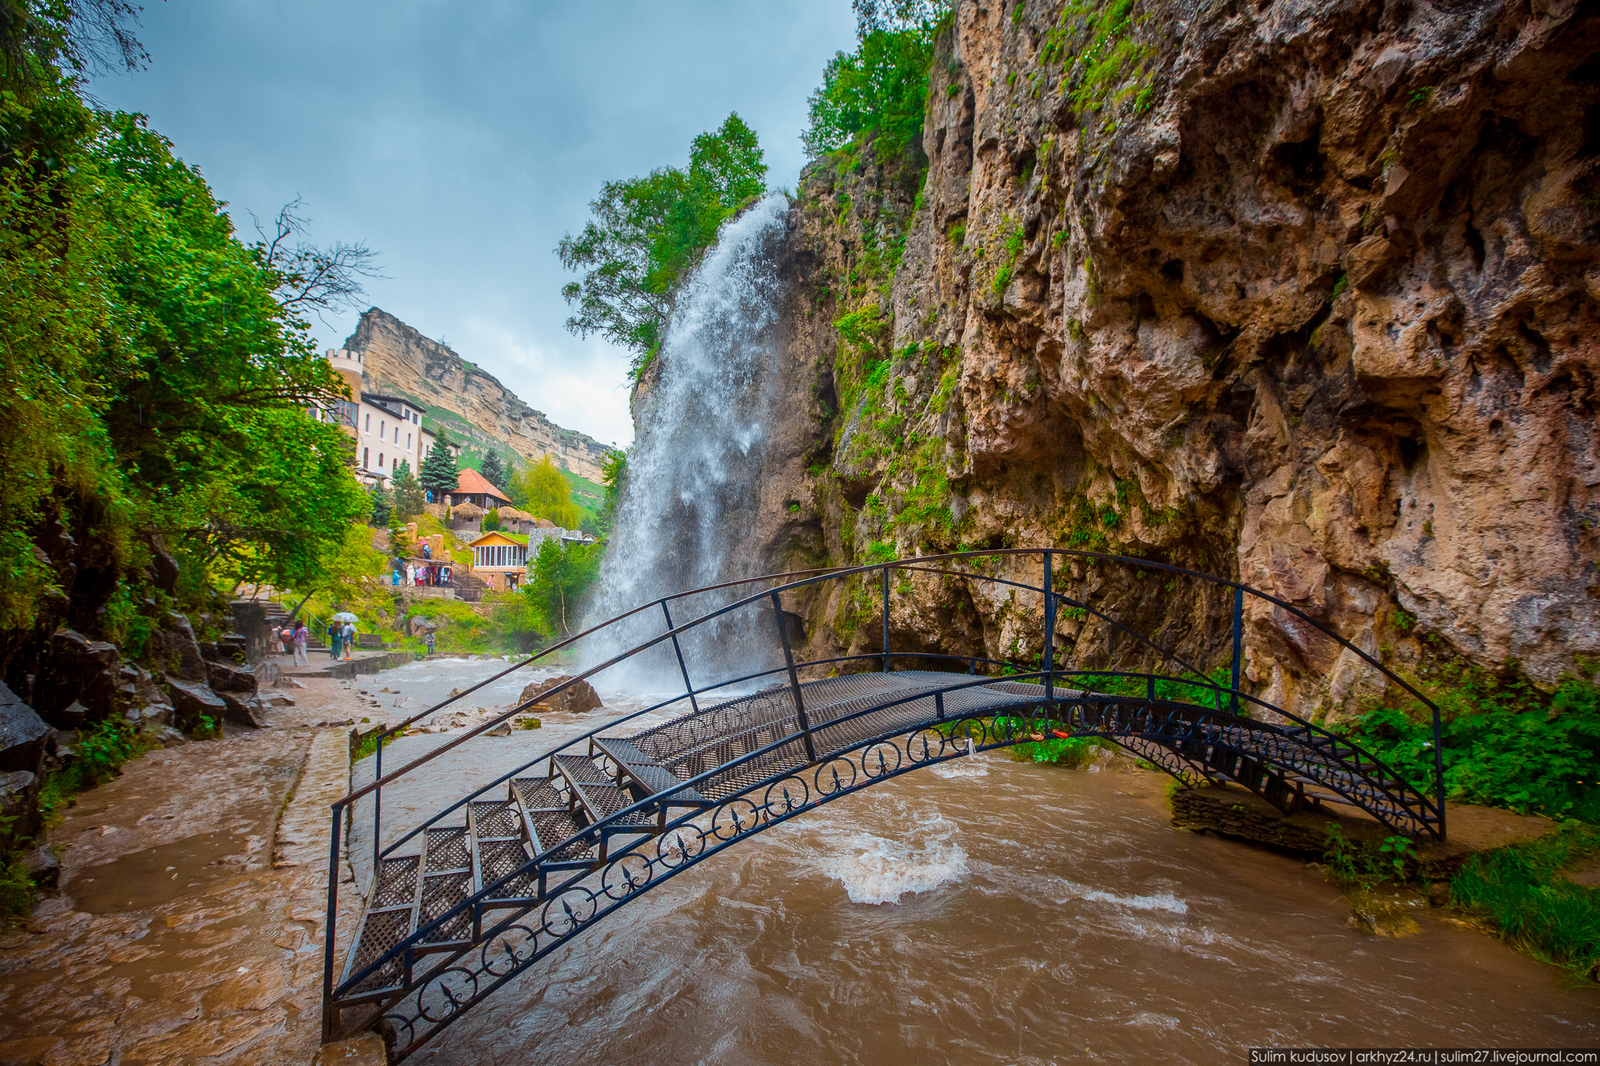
column 468, row 401
column 1301, row 293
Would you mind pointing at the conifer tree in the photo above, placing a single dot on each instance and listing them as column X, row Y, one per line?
column 408, row 498
column 493, row 469
column 439, row 469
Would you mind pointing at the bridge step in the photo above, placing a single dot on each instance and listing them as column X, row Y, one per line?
column 500, row 834
column 549, row 821
column 597, row 797
column 648, row 774
column 446, row 882
column 390, row 918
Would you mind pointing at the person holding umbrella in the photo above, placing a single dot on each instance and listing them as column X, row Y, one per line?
column 347, row 634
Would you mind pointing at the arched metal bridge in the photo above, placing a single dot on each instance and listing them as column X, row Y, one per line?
column 466, row 900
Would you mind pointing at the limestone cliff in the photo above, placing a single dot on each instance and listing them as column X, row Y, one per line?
column 1302, row 293
column 400, row 359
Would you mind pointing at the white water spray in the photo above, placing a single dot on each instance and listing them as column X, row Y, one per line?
column 694, row 469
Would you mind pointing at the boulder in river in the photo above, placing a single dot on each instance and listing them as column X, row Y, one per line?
column 575, row 699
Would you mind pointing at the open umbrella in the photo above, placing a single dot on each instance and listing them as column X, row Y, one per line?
column 345, row 616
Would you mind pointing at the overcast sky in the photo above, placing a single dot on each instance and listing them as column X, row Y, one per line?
column 461, row 138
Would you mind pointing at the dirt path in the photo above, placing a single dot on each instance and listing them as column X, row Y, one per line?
column 189, row 926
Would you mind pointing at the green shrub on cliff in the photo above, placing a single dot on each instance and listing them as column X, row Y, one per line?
column 1505, row 743
column 880, row 89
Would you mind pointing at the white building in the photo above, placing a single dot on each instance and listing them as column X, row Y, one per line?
column 387, row 429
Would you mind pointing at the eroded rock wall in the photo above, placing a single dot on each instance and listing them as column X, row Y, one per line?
column 1299, row 293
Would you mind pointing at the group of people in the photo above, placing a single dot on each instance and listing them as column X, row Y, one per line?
column 426, row 575
column 294, row 642
column 341, row 639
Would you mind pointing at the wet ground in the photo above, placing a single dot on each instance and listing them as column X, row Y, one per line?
column 188, row 928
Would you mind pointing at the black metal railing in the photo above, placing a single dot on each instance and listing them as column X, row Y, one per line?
column 1428, row 814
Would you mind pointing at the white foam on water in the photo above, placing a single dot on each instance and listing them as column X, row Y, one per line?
column 1158, row 901
column 965, row 766
column 877, row 870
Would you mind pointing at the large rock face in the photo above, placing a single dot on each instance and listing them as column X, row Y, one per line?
column 398, row 358
column 1302, row 293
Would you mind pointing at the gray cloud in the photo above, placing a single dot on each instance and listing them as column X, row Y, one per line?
column 462, row 138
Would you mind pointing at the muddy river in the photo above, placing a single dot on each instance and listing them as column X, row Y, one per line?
column 984, row 911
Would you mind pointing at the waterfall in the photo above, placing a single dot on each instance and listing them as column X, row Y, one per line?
column 695, row 465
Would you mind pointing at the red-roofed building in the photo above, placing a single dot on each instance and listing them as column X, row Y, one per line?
column 473, row 487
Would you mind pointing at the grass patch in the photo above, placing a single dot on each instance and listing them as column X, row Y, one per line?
column 367, row 743
column 1521, row 892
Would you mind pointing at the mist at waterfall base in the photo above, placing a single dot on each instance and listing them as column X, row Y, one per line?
column 694, row 470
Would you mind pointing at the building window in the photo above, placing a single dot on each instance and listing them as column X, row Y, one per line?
column 408, row 442
column 397, row 434
column 380, row 427
column 366, row 455
column 369, row 422
column 380, row 460
column 346, row 413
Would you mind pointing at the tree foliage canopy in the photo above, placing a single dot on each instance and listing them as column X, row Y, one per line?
column 408, row 497
column 559, row 576
column 439, row 469
column 493, row 469
column 158, row 379
column 544, row 492
column 881, row 88
column 155, row 379
column 647, row 233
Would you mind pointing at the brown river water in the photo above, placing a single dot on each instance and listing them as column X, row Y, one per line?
column 984, row 911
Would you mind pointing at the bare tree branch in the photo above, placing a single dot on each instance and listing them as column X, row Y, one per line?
column 312, row 278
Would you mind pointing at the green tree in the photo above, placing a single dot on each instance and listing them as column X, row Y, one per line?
column 382, row 505
column 399, row 541
column 614, row 475
column 493, row 469
column 408, row 497
column 439, row 468
column 881, row 88
column 544, row 492
column 558, row 578
column 647, row 233
column 491, row 520
column 156, row 384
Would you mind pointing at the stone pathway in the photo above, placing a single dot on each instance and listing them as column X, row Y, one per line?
column 189, row 928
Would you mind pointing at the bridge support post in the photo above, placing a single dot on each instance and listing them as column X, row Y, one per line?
column 377, row 809
column 794, row 677
column 329, row 1011
column 1047, row 666
column 1238, row 642
column 678, row 651
column 886, row 619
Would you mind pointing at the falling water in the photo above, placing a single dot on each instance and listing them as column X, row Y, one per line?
column 694, row 469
